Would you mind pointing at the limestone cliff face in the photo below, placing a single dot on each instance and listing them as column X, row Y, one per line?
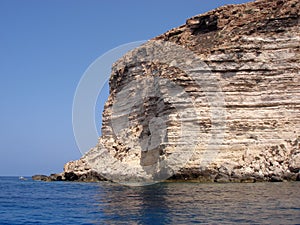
column 158, row 119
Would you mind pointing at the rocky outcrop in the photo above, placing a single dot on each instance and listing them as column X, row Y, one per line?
column 90, row 176
column 233, row 118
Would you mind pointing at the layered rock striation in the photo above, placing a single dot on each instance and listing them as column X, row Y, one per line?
column 236, row 119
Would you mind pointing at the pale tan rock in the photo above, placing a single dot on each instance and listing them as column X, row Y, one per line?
column 252, row 51
column 79, row 167
column 295, row 163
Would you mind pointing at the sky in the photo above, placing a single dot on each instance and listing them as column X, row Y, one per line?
column 45, row 48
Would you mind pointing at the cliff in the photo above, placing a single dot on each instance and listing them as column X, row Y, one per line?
column 216, row 99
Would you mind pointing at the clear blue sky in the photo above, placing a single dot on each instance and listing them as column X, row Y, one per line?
column 45, row 47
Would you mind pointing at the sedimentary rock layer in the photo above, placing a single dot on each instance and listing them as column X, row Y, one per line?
column 237, row 118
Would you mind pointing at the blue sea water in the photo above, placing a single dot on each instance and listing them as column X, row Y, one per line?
column 34, row 202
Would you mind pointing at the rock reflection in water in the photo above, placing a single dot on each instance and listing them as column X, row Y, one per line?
column 137, row 205
column 185, row 203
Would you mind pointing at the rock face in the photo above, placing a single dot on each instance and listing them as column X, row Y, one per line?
column 236, row 119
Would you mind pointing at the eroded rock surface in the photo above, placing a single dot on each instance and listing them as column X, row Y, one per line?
column 252, row 52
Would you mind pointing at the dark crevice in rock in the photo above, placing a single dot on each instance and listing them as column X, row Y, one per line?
column 203, row 24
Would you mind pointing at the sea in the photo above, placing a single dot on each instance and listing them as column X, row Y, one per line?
column 37, row 202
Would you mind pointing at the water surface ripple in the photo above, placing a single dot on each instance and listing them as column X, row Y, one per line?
column 32, row 202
